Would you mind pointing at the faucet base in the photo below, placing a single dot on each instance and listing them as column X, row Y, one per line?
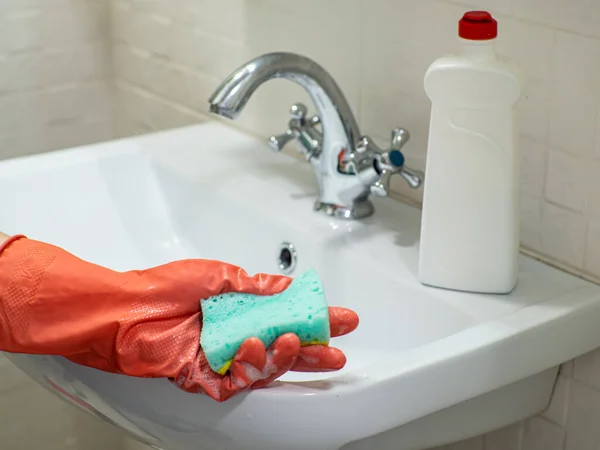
column 359, row 210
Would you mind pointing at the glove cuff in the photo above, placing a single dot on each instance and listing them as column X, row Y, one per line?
column 10, row 240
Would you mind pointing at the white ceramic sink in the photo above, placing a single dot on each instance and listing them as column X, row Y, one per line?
column 425, row 366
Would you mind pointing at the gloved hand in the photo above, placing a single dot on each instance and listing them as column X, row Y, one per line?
column 143, row 323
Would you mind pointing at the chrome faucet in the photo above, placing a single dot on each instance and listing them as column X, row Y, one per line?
column 347, row 165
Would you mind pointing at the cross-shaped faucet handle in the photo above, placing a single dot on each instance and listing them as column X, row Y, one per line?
column 301, row 128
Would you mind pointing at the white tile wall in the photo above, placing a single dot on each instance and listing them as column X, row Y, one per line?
column 169, row 55
column 55, row 75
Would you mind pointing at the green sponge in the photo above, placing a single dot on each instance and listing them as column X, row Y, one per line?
column 229, row 319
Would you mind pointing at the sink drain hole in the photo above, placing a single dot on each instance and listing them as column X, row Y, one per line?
column 288, row 258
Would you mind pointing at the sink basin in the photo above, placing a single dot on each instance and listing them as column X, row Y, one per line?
column 424, row 366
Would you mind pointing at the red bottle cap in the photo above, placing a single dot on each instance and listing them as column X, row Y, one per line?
column 477, row 26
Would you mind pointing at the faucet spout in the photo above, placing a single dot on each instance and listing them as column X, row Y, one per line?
column 348, row 166
column 339, row 123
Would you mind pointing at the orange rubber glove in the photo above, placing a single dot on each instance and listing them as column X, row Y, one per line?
column 142, row 323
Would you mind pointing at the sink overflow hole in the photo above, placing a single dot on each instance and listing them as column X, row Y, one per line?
column 288, row 258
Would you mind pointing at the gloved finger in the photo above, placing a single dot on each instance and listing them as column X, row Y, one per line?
column 202, row 379
column 247, row 367
column 281, row 357
column 277, row 360
column 199, row 378
column 230, row 278
column 319, row 358
column 253, row 352
column 342, row 321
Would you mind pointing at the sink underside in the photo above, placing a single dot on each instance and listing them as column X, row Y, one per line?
column 209, row 191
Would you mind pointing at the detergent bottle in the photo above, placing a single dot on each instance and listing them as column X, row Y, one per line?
column 470, row 223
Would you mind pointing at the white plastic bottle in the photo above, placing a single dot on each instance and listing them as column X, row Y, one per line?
column 470, row 222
